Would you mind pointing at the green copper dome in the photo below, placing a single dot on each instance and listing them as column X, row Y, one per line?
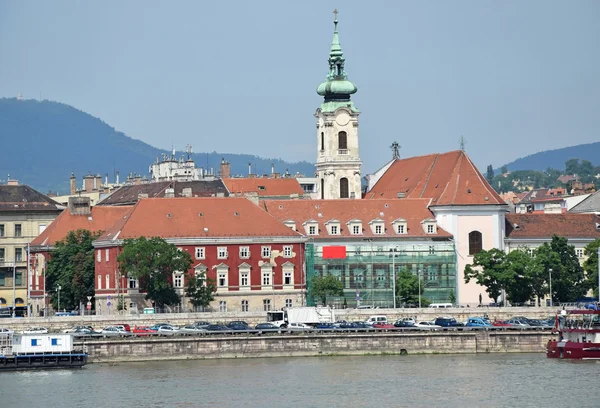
column 336, row 87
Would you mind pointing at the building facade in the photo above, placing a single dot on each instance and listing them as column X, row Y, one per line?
column 338, row 167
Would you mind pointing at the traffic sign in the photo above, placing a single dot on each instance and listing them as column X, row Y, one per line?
column 89, row 298
column 108, row 297
column 89, row 306
column 108, row 303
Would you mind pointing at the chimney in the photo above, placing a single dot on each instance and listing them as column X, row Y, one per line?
column 225, row 169
column 73, row 182
column 169, row 193
column 88, row 183
column 137, row 179
column 12, row 182
column 79, row 205
column 186, row 192
column 276, row 175
column 249, row 169
column 106, row 179
column 117, row 180
column 272, row 168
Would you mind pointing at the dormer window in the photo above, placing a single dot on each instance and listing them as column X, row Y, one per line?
column 333, row 227
column 355, row 227
column 400, row 226
column 311, row 227
column 429, row 226
column 377, row 226
column 290, row 224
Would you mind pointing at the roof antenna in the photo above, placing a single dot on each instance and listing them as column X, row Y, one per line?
column 396, row 150
column 463, row 142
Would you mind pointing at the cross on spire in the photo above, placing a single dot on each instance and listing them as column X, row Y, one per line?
column 463, row 142
column 396, row 150
column 335, row 13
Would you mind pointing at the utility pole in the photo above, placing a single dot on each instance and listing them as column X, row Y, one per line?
column 419, row 278
column 29, row 280
column 550, row 275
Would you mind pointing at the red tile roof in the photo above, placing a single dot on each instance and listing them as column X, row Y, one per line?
column 447, row 178
column 265, row 187
column 414, row 211
column 197, row 218
column 545, row 225
column 101, row 219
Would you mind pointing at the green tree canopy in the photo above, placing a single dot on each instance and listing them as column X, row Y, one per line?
column 489, row 173
column 518, row 276
column 590, row 266
column 489, row 270
column 71, row 266
column 153, row 261
column 324, row 286
column 407, row 287
column 200, row 290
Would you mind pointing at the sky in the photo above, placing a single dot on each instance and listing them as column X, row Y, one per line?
column 512, row 77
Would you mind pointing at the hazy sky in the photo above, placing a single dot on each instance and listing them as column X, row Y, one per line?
column 512, row 77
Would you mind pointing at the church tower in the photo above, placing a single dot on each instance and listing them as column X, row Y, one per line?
column 338, row 163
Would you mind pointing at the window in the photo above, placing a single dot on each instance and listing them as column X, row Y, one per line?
column 133, row 283
column 244, row 279
column 1, row 230
column 222, row 306
column 199, row 252
column 107, row 281
column 266, row 251
column 530, row 251
column 178, row 280
column 18, row 254
column 266, row 305
column 99, row 255
column 312, row 230
column 344, row 188
column 322, row 141
column 18, row 231
column 431, row 250
column 579, row 252
column 356, row 229
column 18, row 279
column 244, row 306
column 34, row 343
column 222, row 252
column 2, row 253
column 245, row 252
column 322, row 189
column 378, row 229
column 401, row 229
column 54, row 342
column 41, row 228
column 342, row 141
column 106, row 255
column 99, row 282
column 430, row 229
column 288, row 303
column 222, row 279
column 287, row 251
column 334, row 230
column 287, row 278
column 475, row 244
column 266, row 278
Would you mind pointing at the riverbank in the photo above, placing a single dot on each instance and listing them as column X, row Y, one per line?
column 301, row 345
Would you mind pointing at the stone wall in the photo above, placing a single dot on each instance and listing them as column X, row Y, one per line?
column 240, row 346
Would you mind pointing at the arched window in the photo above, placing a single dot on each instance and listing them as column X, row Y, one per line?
column 344, row 188
column 342, row 140
column 322, row 189
column 475, row 242
column 322, row 141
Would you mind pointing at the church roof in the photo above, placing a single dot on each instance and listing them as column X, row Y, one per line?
column 446, row 178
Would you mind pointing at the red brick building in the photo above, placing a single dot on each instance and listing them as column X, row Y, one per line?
column 256, row 261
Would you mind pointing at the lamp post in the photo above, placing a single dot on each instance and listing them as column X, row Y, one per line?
column 58, row 290
column 14, row 287
column 598, row 277
column 393, row 251
column 550, row 280
column 419, row 279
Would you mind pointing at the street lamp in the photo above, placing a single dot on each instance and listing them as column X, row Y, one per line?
column 419, row 279
column 550, row 276
column 58, row 289
column 14, row 287
column 393, row 251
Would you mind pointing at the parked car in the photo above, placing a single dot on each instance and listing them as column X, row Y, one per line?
column 477, row 322
column 383, row 326
column 518, row 321
column 447, row 322
column 85, row 332
column 167, row 330
column 238, row 325
column 427, row 325
column 143, row 331
column 362, row 325
column 36, row 330
column 377, row 319
column 299, row 327
column 404, row 323
column 124, row 326
column 72, row 313
column 500, row 323
column 217, row 328
column 114, row 331
column 192, row 329
column 75, row 328
column 266, row 328
column 202, row 324
column 326, row 326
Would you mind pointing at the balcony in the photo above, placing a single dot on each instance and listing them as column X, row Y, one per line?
column 343, row 151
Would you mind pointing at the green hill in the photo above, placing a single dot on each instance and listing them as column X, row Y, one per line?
column 43, row 142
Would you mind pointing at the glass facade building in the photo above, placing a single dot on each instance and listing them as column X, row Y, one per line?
column 367, row 271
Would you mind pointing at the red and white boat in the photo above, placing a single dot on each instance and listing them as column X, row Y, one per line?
column 578, row 336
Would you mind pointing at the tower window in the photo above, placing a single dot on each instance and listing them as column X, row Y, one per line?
column 322, row 189
column 342, row 141
column 344, row 188
column 475, row 242
column 322, row 141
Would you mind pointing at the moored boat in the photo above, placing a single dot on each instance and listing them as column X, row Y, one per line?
column 39, row 351
column 578, row 336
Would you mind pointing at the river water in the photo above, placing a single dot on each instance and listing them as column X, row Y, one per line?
column 488, row 380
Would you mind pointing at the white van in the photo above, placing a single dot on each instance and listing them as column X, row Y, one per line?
column 376, row 319
column 440, row 305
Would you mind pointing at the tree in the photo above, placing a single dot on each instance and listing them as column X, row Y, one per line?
column 452, row 297
column 71, row 267
column 488, row 269
column 503, row 169
column 490, row 173
column 590, row 266
column 568, row 279
column 518, row 276
column 200, row 290
column 407, row 287
column 324, row 286
column 153, row 262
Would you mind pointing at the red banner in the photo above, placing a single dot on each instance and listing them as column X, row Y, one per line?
column 334, row 252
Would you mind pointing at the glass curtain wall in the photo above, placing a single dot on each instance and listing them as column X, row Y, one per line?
column 367, row 272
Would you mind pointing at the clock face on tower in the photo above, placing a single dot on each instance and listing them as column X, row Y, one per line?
column 342, row 119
